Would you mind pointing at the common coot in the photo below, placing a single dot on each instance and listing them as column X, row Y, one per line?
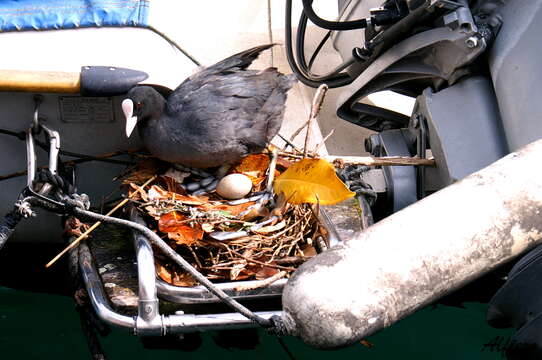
column 215, row 117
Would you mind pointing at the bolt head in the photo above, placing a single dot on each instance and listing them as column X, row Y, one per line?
column 472, row 42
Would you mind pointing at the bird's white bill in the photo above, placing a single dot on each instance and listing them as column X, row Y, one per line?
column 131, row 121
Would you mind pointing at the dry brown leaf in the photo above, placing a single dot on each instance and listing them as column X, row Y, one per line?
column 176, row 228
column 172, row 185
column 254, row 166
column 137, row 193
column 157, row 193
column 265, row 272
column 232, row 209
column 255, row 212
column 145, row 169
column 236, row 270
column 151, row 211
column 281, row 206
column 174, row 278
column 176, row 175
column 309, row 251
column 283, row 163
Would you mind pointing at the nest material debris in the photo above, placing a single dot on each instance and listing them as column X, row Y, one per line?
column 281, row 245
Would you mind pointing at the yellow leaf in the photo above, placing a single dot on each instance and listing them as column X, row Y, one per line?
column 312, row 181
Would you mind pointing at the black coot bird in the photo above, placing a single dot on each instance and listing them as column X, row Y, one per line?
column 215, row 117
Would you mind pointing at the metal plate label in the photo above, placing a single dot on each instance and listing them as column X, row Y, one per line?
column 77, row 109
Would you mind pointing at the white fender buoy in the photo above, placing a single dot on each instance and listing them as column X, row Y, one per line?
column 419, row 254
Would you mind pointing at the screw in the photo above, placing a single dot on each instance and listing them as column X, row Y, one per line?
column 472, row 42
column 361, row 54
column 374, row 142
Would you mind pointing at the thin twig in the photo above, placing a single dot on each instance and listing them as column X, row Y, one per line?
column 96, row 224
column 298, row 131
column 271, row 174
column 315, row 110
column 289, row 143
column 270, row 30
column 263, row 283
column 263, row 263
column 323, row 141
column 294, row 156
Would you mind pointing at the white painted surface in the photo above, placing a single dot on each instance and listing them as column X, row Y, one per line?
column 209, row 30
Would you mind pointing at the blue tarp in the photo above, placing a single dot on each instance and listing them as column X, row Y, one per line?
column 19, row 15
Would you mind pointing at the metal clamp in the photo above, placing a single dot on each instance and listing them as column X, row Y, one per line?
column 53, row 138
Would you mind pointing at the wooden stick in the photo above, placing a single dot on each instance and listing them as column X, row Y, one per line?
column 381, row 161
column 370, row 160
column 40, row 81
column 295, row 133
column 96, row 224
column 315, row 110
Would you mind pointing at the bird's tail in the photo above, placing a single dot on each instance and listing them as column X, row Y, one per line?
column 240, row 60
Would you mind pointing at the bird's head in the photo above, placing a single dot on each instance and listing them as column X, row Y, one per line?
column 142, row 103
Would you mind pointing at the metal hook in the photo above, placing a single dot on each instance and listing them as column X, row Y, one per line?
column 54, row 148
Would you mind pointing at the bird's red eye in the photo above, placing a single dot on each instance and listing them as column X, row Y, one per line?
column 138, row 105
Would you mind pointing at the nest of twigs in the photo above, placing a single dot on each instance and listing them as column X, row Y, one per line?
column 224, row 240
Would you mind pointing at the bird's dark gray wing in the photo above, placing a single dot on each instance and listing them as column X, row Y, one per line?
column 245, row 109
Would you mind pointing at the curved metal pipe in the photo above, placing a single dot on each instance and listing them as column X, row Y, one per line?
column 159, row 325
column 96, row 292
column 200, row 295
column 146, row 274
column 446, row 240
column 149, row 321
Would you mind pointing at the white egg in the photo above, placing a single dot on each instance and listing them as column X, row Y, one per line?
column 234, row 186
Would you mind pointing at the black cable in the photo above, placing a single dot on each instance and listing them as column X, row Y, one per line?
column 167, row 250
column 300, row 54
column 84, row 157
column 338, row 80
column 8, row 225
column 331, row 25
column 285, row 348
column 174, row 44
column 22, row 136
column 90, row 324
column 317, row 50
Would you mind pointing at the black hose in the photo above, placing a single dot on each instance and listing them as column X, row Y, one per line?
column 300, row 55
column 167, row 250
column 318, row 48
column 8, row 225
column 331, row 25
column 333, row 80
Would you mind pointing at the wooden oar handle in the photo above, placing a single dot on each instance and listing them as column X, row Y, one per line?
column 91, row 81
column 40, row 81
